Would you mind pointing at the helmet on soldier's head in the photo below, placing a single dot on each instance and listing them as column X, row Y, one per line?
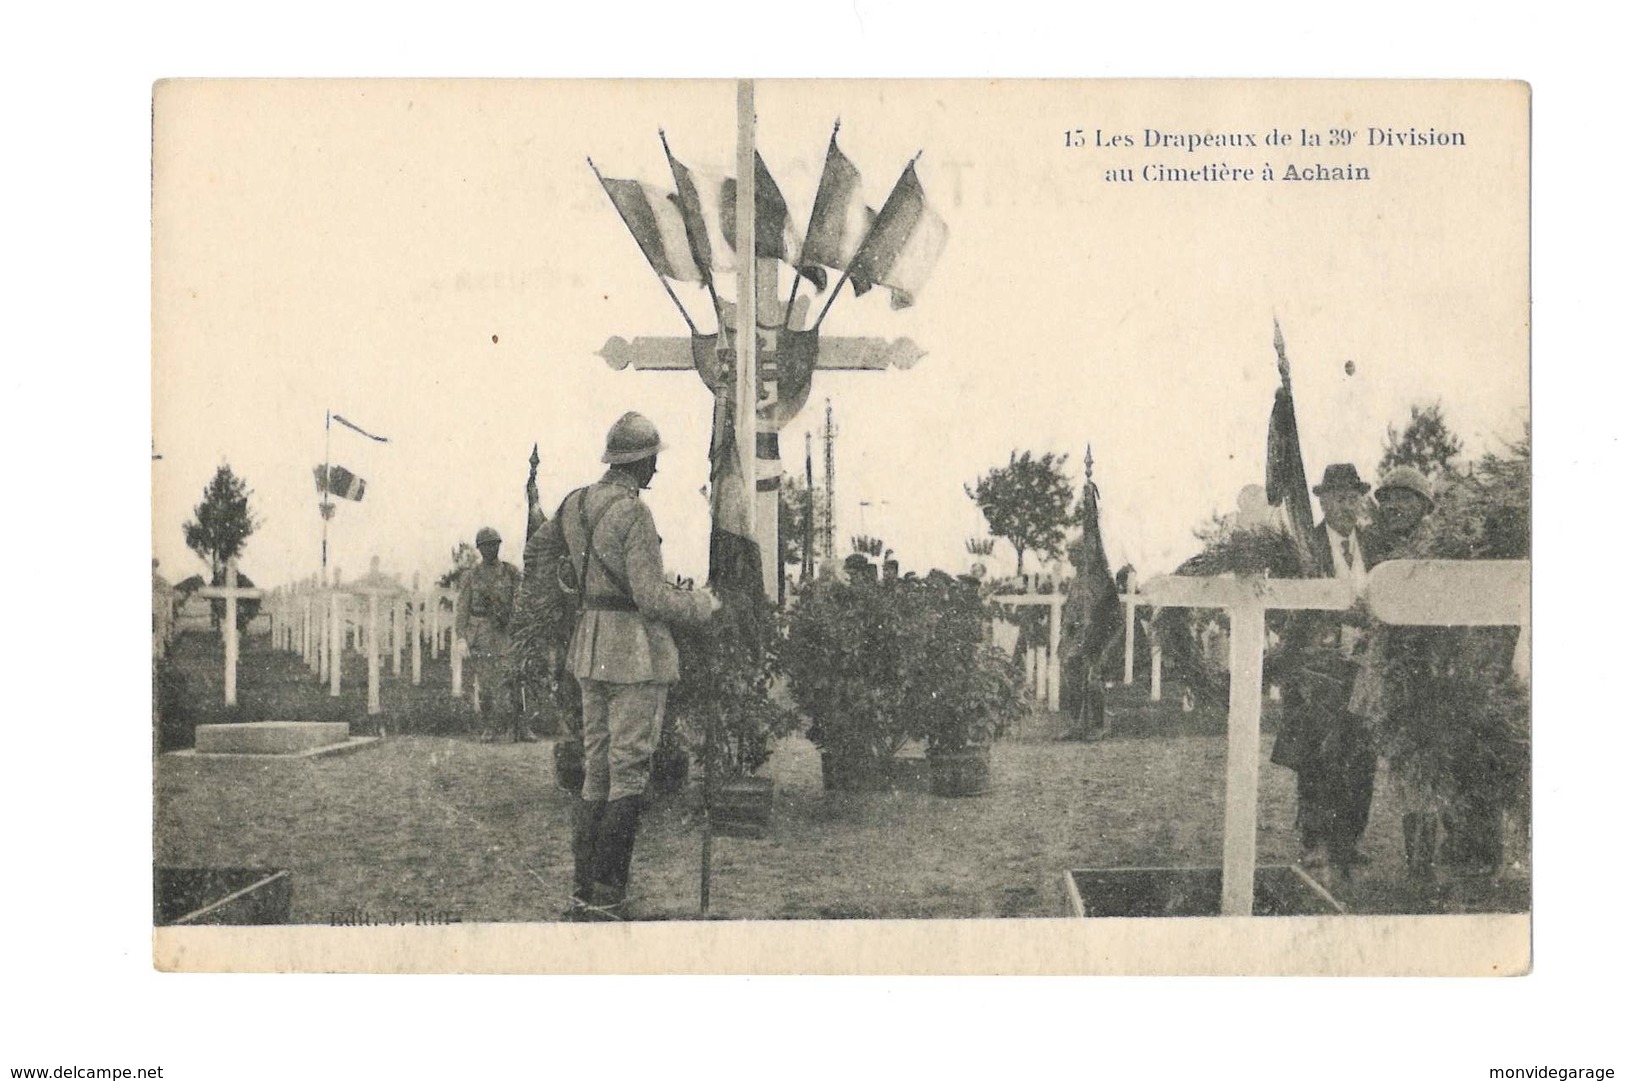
column 631, row 439
column 485, row 536
column 1405, row 477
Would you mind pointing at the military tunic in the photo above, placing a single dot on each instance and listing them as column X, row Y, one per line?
column 485, row 606
column 621, row 651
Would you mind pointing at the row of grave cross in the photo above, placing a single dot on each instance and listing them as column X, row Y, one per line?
column 314, row 620
column 1469, row 593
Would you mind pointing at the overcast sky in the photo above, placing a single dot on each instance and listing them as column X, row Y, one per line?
column 436, row 262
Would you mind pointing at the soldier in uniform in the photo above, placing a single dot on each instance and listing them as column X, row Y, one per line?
column 603, row 542
column 485, row 607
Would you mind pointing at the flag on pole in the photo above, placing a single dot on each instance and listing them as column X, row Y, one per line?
column 1099, row 614
column 354, row 427
column 736, row 562
column 1091, row 619
column 339, row 481
column 776, row 235
column 700, row 200
column 656, row 223
column 1284, row 478
column 903, row 247
column 840, row 217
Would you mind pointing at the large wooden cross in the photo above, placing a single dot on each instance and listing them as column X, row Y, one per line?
column 759, row 304
column 232, row 593
column 1440, row 593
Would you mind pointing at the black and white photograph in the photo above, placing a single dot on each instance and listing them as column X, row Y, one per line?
column 1118, row 517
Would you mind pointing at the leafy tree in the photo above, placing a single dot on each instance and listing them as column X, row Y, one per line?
column 1028, row 503
column 222, row 523
column 464, row 556
column 1427, row 443
column 793, row 509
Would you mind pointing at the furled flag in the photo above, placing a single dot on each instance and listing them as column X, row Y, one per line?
column 657, row 225
column 736, row 562
column 840, row 218
column 1284, row 479
column 1091, row 618
column 903, row 246
column 340, row 482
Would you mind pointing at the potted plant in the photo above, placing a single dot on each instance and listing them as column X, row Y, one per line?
column 842, row 663
column 726, row 709
column 959, row 690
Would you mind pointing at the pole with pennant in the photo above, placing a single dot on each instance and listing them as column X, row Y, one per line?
column 327, row 498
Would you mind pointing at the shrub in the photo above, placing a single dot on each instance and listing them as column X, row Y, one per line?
column 842, row 663
column 728, row 669
column 875, row 664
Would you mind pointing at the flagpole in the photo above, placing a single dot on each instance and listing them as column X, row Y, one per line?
column 847, row 273
column 327, row 487
column 680, row 309
column 745, row 309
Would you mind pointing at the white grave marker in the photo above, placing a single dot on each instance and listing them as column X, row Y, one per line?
column 1405, row 592
column 228, row 627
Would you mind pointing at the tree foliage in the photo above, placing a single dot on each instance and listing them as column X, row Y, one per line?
column 464, row 556
column 794, row 507
column 1028, row 502
column 1427, row 443
column 222, row 523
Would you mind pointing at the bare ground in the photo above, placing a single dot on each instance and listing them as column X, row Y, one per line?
column 435, row 825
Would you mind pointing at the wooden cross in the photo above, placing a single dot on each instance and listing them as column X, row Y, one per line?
column 1465, row 593
column 1133, row 601
column 1043, row 676
column 228, row 630
column 416, row 630
column 335, row 635
column 373, row 586
column 834, row 354
column 757, row 356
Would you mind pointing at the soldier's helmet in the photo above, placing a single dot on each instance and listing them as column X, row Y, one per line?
column 632, row 438
column 485, row 536
column 1407, row 477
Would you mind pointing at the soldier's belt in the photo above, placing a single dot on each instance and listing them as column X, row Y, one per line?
column 610, row 602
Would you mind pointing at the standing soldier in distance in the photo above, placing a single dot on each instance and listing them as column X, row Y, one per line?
column 602, row 542
column 485, row 607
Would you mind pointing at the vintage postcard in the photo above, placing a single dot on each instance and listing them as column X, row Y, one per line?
column 1106, row 552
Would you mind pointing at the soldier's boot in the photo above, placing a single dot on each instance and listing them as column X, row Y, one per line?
column 612, row 868
column 586, row 818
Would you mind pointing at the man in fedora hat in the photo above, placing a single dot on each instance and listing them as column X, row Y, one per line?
column 1329, row 746
column 602, row 547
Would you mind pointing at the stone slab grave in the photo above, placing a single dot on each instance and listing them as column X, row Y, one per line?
column 1192, row 891
column 274, row 739
column 220, row 896
column 1438, row 593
